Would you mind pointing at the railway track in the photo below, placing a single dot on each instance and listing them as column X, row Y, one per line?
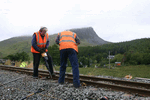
column 139, row 88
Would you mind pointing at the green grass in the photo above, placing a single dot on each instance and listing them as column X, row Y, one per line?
column 121, row 71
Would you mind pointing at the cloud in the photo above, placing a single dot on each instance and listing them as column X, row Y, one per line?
column 111, row 19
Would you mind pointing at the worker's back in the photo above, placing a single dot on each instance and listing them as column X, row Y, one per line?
column 67, row 40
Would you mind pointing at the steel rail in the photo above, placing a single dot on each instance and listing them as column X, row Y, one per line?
column 91, row 80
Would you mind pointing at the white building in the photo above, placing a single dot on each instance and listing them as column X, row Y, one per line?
column 110, row 57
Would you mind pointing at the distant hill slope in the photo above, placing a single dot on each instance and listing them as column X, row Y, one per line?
column 87, row 36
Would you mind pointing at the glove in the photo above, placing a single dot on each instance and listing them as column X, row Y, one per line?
column 44, row 49
column 41, row 50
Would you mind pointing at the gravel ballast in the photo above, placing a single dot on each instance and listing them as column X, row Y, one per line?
column 25, row 85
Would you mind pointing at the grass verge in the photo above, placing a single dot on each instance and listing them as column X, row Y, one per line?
column 120, row 71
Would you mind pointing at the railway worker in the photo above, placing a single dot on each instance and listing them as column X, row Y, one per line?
column 40, row 43
column 68, row 46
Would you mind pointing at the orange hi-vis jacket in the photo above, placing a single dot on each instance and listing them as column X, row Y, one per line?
column 41, row 43
column 67, row 40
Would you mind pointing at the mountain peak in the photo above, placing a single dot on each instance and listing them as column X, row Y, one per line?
column 90, row 35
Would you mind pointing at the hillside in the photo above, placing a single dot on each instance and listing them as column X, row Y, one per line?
column 135, row 52
column 138, row 45
column 87, row 36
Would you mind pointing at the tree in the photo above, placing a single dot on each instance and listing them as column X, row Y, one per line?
column 119, row 57
column 55, row 54
column 146, row 58
column 127, row 57
column 11, row 57
column 98, row 57
column 23, row 56
column 83, row 61
column 104, row 61
column 136, row 58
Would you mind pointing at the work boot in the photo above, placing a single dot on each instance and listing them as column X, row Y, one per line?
column 61, row 83
column 76, row 86
column 53, row 74
column 35, row 77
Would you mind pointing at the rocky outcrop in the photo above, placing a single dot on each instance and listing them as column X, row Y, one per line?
column 89, row 35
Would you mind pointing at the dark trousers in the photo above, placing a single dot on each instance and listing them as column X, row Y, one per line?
column 36, row 61
column 72, row 55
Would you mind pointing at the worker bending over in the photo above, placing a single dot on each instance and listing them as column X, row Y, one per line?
column 68, row 46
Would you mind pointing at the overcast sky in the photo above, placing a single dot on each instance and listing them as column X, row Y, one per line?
column 112, row 20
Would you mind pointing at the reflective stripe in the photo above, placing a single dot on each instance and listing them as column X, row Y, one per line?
column 67, row 41
column 73, row 35
column 38, row 37
column 41, row 43
column 38, row 40
column 67, row 36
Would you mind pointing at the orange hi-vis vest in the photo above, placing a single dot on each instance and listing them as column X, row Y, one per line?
column 67, row 40
column 41, row 43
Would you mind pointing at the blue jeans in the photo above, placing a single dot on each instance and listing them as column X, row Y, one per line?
column 72, row 55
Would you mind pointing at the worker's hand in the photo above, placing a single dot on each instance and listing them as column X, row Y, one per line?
column 77, row 43
column 41, row 50
column 44, row 49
